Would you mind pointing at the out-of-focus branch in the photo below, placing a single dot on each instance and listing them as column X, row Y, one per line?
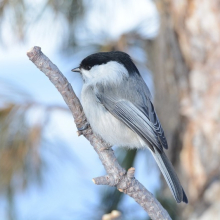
column 114, row 215
column 116, row 175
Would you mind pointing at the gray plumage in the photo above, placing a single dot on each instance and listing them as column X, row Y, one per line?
column 118, row 106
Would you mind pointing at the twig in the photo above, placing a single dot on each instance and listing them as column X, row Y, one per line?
column 116, row 175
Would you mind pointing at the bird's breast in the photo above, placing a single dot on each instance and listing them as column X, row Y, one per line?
column 105, row 124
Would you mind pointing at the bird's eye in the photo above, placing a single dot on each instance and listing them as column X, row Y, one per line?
column 89, row 67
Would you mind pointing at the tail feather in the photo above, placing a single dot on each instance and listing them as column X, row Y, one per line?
column 170, row 176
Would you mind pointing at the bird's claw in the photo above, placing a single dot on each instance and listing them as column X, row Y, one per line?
column 83, row 128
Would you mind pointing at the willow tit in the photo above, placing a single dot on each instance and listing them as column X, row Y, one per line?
column 118, row 107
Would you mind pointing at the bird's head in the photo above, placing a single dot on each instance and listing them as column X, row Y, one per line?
column 106, row 67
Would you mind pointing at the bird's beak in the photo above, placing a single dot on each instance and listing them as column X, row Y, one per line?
column 77, row 69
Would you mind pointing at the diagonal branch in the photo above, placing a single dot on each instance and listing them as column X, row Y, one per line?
column 116, row 175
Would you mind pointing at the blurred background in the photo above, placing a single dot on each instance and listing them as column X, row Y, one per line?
column 45, row 169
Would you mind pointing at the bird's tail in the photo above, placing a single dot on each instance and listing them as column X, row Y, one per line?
column 170, row 176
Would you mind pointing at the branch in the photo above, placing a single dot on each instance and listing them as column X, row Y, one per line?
column 116, row 175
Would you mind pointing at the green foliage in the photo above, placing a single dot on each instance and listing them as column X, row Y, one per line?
column 19, row 146
column 21, row 162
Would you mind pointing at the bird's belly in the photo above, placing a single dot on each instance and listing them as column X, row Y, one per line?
column 107, row 126
column 113, row 131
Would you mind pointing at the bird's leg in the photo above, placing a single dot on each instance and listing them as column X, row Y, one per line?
column 109, row 147
column 83, row 128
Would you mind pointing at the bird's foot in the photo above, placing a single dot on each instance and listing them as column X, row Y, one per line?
column 83, row 128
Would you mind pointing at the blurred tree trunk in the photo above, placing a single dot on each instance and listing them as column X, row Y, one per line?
column 185, row 61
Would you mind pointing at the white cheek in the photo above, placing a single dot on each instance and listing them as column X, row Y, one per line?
column 86, row 74
column 111, row 72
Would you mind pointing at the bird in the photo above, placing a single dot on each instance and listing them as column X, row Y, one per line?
column 118, row 107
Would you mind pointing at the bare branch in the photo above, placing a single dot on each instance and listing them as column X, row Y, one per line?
column 116, row 175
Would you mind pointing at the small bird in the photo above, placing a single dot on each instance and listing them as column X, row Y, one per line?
column 119, row 109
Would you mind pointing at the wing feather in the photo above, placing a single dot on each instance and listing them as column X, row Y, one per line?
column 139, row 115
column 126, row 112
column 157, row 126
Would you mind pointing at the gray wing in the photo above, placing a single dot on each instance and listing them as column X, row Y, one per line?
column 126, row 112
column 139, row 115
column 151, row 114
column 135, row 98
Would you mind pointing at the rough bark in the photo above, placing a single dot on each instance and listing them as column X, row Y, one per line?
column 185, row 59
column 116, row 175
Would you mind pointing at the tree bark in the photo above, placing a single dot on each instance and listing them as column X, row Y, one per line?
column 116, row 175
column 185, row 60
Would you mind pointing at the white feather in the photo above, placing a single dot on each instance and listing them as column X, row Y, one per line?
column 111, row 72
column 105, row 124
